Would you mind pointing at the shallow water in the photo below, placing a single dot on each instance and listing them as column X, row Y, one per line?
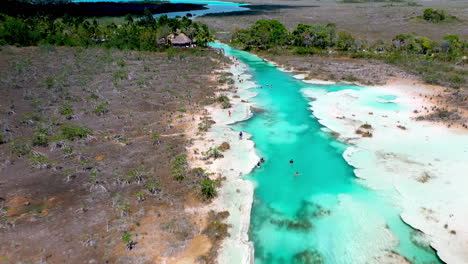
column 325, row 214
column 213, row 7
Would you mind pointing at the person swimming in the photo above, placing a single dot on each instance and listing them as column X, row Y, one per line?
column 262, row 160
column 291, row 161
column 296, row 174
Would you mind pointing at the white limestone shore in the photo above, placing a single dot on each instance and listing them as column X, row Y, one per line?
column 426, row 163
column 235, row 194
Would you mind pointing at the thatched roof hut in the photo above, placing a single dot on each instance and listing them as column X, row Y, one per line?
column 181, row 40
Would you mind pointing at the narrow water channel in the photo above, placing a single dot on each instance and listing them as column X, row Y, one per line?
column 324, row 215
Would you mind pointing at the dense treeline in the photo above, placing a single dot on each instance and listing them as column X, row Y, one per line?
column 419, row 54
column 144, row 33
column 268, row 34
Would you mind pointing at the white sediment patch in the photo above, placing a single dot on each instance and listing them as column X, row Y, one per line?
column 302, row 77
column 426, row 163
column 235, row 194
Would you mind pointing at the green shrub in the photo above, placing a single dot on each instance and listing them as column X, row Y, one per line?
column 37, row 160
column 350, row 78
column 140, row 195
column 213, row 153
column 208, row 188
column 40, row 140
column 30, row 118
column 179, row 167
column 101, row 109
column 152, row 187
column 66, row 109
column 19, row 147
column 2, row 138
column 224, row 100
column 156, row 138
column 121, row 74
column 205, row 124
column 432, row 78
column 124, row 208
column 434, row 15
column 127, row 238
column 72, row 132
column 135, row 175
column 456, row 81
column 305, row 50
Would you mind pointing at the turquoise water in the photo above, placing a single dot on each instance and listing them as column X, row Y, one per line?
column 324, row 214
column 383, row 102
column 213, row 7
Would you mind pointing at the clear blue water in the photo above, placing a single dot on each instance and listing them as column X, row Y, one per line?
column 324, row 213
column 384, row 102
column 388, row 97
column 213, row 7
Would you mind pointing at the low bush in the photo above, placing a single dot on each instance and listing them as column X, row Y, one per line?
column 152, row 187
column 224, row 100
column 213, row 153
column 37, row 160
column 208, row 188
column 434, row 15
column 179, row 167
column 40, row 138
column 73, row 132
column 136, row 175
column 101, row 109
column 66, row 109
column 20, row 147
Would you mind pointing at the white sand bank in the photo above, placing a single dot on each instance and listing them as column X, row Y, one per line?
column 427, row 164
column 235, row 194
column 302, row 77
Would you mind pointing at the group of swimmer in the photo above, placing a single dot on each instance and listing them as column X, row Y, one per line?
column 269, row 86
column 292, row 162
column 262, row 160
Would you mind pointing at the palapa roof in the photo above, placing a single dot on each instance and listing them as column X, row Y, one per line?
column 181, row 39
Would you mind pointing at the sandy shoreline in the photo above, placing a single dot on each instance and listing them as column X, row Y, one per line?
column 412, row 158
column 423, row 161
column 235, row 194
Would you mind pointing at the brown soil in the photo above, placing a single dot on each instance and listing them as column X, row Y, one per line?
column 368, row 72
column 74, row 203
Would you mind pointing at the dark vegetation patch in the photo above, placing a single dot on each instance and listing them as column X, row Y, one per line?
column 308, row 257
column 436, row 16
column 143, row 33
column 98, row 9
column 63, row 165
column 216, row 230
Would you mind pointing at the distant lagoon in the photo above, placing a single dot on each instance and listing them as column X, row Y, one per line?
column 212, row 7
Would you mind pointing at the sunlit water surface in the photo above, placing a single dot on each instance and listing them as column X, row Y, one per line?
column 324, row 214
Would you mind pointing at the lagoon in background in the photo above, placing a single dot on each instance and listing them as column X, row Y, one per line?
column 212, row 7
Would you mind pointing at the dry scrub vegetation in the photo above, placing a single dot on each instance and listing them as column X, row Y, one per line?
column 92, row 153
